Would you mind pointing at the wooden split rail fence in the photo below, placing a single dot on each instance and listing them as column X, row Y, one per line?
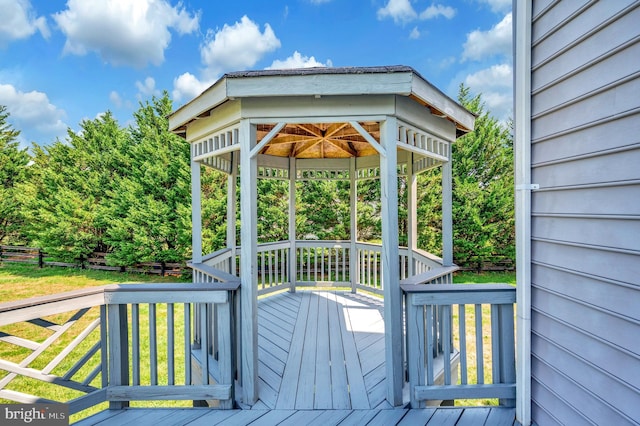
column 97, row 260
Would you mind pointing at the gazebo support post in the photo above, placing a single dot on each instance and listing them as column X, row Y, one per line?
column 248, row 267
column 231, row 211
column 390, row 269
column 293, row 261
column 196, row 213
column 353, row 202
column 412, row 214
column 447, row 214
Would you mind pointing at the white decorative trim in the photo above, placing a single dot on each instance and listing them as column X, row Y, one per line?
column 422, row 142
column 216, row 143
column 320, row 174
column 218, row 163
column 425, row 164
column 368, row 173
column 273, row 173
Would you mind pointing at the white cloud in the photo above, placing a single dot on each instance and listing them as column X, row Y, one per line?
column 237, row 47
column 498, row 5
column 33, row 114
column 123, row 32
column 483, row 44
column 402, row 12
column 147, row 88
column 297, row 60
column 447, row 62
column 115, row 99
column 233, row 48
column 414, row 34
column 188, row 86
column 436, row 10
column 19, row 21
column 496, row 85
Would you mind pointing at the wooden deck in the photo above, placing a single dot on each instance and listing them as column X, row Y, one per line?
column 321, row 361
column 321, row 350
column 475, row 416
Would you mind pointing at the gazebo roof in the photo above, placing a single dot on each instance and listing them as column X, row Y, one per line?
column 322, row 140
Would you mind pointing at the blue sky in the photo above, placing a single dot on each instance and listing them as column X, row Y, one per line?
column 65, row 61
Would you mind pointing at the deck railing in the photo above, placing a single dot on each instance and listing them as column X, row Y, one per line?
column 437, row 320
column 93, row 343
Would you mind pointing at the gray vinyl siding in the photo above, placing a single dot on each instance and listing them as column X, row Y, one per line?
column 585, row 218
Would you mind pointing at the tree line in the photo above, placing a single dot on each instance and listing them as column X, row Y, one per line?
column 125, row 191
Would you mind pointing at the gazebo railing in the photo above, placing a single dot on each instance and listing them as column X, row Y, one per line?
column 323, row 263
column 94, row 343
column 320, row 263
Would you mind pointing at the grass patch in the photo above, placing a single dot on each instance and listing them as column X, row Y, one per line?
column 19, row 281
column 484, row 278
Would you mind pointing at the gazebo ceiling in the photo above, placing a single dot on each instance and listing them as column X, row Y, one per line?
column 319, row 140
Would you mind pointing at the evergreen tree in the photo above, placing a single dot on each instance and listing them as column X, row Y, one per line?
column 483, row 198
column 66, row 196
column 13, row 171
column 149, row 215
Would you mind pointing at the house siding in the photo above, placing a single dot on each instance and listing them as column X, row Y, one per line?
column 585, row 218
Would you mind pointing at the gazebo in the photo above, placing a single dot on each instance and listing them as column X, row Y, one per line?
column 296, row 125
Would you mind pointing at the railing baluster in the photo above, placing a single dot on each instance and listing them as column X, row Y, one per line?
column 463, row 343
column 479, row 352
column 495, row 345
column 309, row 264
column 272, row 260
column 315, row 264
column 153, row 345
column 262, row 281
column 104, row 355
column 447, row 349
column 204, row 346
column 187, row 344
column 135, row 342
column 170, row 345
column 430, row 346
column 375, row 269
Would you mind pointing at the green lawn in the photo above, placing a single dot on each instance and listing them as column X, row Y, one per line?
column 485, row 277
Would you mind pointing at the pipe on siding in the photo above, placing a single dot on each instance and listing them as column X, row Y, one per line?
column 522, row 134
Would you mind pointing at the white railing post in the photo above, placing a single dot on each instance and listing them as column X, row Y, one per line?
column 416, row 345
column 225, row 348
